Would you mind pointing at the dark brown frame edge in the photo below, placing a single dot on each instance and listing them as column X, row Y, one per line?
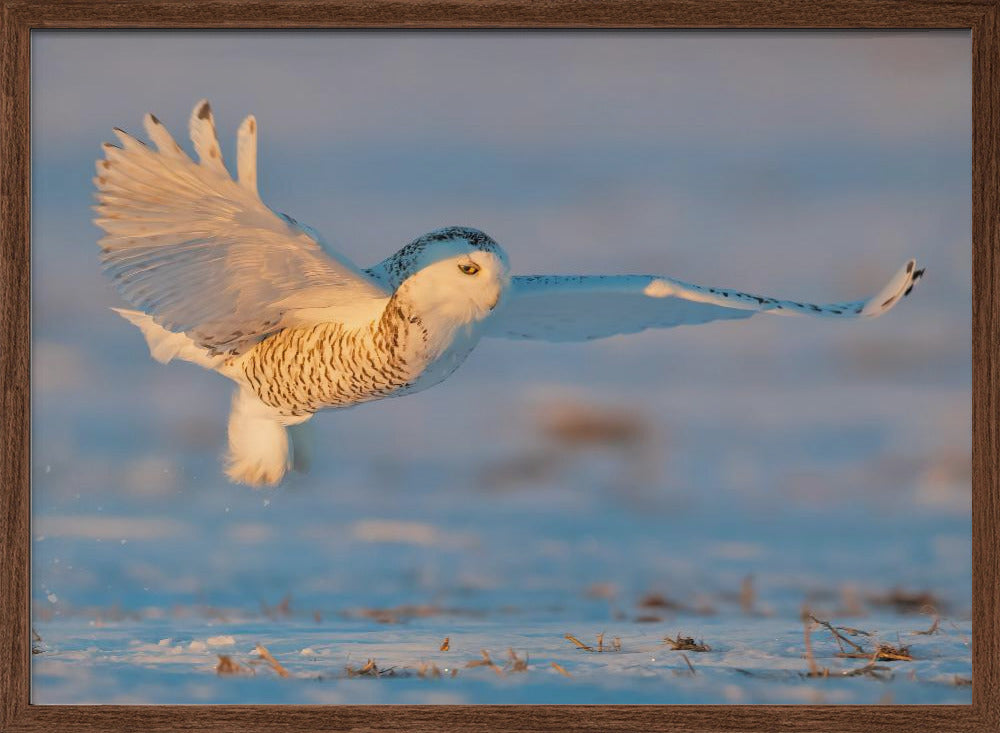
column 20, row 17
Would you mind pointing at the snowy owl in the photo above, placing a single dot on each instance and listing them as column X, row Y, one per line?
column 224, row 282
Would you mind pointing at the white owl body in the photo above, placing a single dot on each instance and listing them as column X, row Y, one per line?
column 222, row 281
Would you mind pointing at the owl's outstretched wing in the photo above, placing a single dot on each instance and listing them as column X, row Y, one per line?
column 203, row 254
column 580, row 308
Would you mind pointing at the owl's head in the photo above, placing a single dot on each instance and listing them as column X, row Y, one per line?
column 457, row 273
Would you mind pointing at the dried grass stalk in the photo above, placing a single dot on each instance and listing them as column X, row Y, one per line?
column 269, row 658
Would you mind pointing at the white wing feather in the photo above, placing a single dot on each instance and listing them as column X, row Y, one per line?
column 246, row 154
column 201, row 252
column 581, row 308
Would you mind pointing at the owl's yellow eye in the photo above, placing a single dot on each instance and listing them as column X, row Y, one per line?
column 470, row 268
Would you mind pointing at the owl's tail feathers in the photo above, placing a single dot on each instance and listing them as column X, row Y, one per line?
column 260, row 451
column 166, row 345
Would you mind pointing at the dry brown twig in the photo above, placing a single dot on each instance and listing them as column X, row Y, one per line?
column 560, row 669
column 871, row 669
column 428, row 670
column 687, row 644
column 838, row 636
column 616, row 644
column 579, row 644
column 228, row 666
column 934, row 629
column 889, row 653
column 690, row 666
column 486, row 661
column 882, row 653
column 269, row 658
column 36, row 642
column 370, row 669
column 517, row 664
column 814, row 670
column 935, row 625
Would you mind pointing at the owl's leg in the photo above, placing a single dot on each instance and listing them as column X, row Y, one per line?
column 260, row 452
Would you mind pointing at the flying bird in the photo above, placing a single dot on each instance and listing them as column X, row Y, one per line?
column 221, row 280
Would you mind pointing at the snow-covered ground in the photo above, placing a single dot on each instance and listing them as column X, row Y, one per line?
column 710, row 482
column 527, row 660
column 384, row 558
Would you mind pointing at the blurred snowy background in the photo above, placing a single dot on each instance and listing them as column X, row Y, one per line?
column 708, row 481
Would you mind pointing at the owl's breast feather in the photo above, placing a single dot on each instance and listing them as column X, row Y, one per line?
column 302, row 370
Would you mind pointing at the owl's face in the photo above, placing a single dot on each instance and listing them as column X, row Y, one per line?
column 458, row 274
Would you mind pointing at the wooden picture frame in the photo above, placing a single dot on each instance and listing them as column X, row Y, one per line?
column 20, row 17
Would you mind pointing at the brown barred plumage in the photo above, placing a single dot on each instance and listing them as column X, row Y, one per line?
column 301, row 370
